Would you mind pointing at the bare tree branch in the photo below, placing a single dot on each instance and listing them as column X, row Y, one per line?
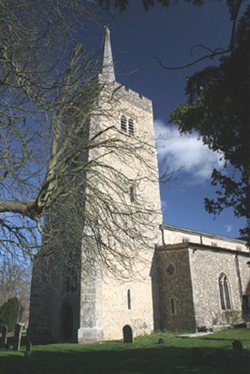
column 213, row 53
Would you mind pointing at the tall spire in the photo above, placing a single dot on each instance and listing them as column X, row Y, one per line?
column 107, row 64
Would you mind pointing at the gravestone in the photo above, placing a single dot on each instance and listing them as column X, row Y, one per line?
column 127, row 334
column 29, row 346
column 4, row 336
column 27, row 357
column 17, row 337
column 237, row 348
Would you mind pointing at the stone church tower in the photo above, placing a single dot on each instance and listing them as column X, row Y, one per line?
column 103, row 304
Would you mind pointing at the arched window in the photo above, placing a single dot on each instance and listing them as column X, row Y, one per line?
column 131, row 127
column 123, row 124
column 129, row 299
column 224, row 292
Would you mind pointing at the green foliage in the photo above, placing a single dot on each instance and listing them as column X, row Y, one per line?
column 218, row 109
column 9, row 312
column 122, row 5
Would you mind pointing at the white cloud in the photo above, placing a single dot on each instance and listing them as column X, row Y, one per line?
column 185, row 152
column 228, row 228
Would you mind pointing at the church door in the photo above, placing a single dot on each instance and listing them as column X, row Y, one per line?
column 127, row 334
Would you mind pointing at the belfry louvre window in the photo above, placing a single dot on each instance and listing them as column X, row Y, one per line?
column 123, row 124
column 127, row 125
column 224, row 292
column 131, row 127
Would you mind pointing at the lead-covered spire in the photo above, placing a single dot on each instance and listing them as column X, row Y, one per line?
column 108, row 70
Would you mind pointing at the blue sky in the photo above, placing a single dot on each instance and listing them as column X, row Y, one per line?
column 137, row 38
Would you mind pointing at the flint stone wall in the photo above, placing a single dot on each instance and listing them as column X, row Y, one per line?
column 175, row 284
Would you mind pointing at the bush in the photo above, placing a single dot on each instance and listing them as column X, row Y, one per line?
column 9, row 313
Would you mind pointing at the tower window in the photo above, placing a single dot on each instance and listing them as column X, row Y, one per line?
column 131, row 127
column 127, row 125
column 123, row 124
column 129, row 299
column 132, row 194
column 172, row 306
column 224, row 292
column 71, row 280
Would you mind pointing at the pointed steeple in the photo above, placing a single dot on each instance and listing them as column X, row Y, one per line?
column 108, row 70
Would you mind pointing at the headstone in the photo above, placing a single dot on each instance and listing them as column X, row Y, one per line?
column 127, row 334
column 27, row 357
column 29, row 346
column 17, row 337
column 237, row 348
column 4, row 336
column 202, row 329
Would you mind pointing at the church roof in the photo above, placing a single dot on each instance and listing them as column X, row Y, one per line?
column 200, row 233
column 198, row 246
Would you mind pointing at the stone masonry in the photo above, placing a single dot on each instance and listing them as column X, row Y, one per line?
column 194, row 282
column 179, row 276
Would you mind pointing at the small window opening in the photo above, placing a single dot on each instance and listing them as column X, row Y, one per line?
column 132, row 194
column 70, row 273
column 71, row 280
column 170, row 269
column 131, row 128
column 129, row 299
column 123, row 124
column 172, row 306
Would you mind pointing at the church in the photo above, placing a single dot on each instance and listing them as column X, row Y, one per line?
column 182, row 280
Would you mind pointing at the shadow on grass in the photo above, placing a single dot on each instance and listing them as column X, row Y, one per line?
column 222, row 339
column 210, row 338
column 127, row 361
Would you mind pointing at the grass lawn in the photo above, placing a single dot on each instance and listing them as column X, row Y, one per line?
column 145, row 355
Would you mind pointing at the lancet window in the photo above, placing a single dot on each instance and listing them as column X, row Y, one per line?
column 129, row 299
column 224, row 292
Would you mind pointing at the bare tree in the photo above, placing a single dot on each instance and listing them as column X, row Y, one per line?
column 15, row 282
column 33, row 61
column 57, row 182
